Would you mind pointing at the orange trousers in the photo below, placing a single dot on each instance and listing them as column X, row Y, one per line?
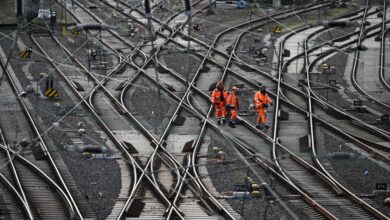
column 262, row 115
column 220, row 110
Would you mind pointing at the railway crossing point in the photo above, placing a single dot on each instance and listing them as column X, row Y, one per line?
column 277, row 29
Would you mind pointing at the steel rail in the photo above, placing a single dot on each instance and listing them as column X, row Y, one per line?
column 319, row 46
column 355, row 68
column 275, row 132
column 357, row 121
column 310, row 110
column 327, row 106
column 170, row 163
column 138, row 123
column 206, row 96
column 299, row 92
column 69, row 201
column 15, row 176
column 296, row 156
column 40, row 173
column 202, row 133
column 351, row 195
column 118, row 143
column 20, row 194
column 198, row 71
column 298, row 159
column 311, row 124
column 15, row 192
column 180, row 188
column 174, row 168
column 319, row 101
column 119, row 106
column 382, row 56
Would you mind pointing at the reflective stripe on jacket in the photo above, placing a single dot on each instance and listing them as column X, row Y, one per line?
column 216, row 96
column 261, row 99
column 232, row 100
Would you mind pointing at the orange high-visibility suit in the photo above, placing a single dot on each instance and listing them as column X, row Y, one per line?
column 218, row 98
column 232, row 101
column 261, row 100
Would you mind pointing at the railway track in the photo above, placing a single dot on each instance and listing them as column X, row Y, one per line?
column 11, row 188
column 330, row 109
column 311, row 140
column 382, row 62
column 164, row 157
column 355, row 70
column 41, row 180
column 149, row 136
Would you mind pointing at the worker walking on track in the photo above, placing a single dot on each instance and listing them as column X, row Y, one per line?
column 232, row 106
column 218, row 98
column 261, row 101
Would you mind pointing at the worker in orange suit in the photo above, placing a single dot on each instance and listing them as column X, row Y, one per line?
column 218, row 98
column 232, row 106
column 261, row 101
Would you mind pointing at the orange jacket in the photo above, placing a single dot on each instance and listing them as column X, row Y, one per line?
column 232, row 100
column 261, row 99
column 216, row 96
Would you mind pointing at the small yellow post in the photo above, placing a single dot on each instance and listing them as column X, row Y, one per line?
column 63, row 30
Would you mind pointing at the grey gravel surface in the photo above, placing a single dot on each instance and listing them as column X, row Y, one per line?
column 91, row 177
column 358, row 173
column 177, row 62
column 150, row 108
column 319, row 81
column 333, row 34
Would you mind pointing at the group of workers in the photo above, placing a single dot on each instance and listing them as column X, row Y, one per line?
column 225, row 102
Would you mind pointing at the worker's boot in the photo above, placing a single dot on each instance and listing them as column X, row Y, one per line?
column 232, row 124
column 224, row 121
column 266, row 126
column 218, row 121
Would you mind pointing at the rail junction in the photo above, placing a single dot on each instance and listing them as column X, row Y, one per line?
column 106, row 110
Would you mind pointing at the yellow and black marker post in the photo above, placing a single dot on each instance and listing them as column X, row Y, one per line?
column 277, row 29
column 76, row 31
column 26, row 54
column 50, row 91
